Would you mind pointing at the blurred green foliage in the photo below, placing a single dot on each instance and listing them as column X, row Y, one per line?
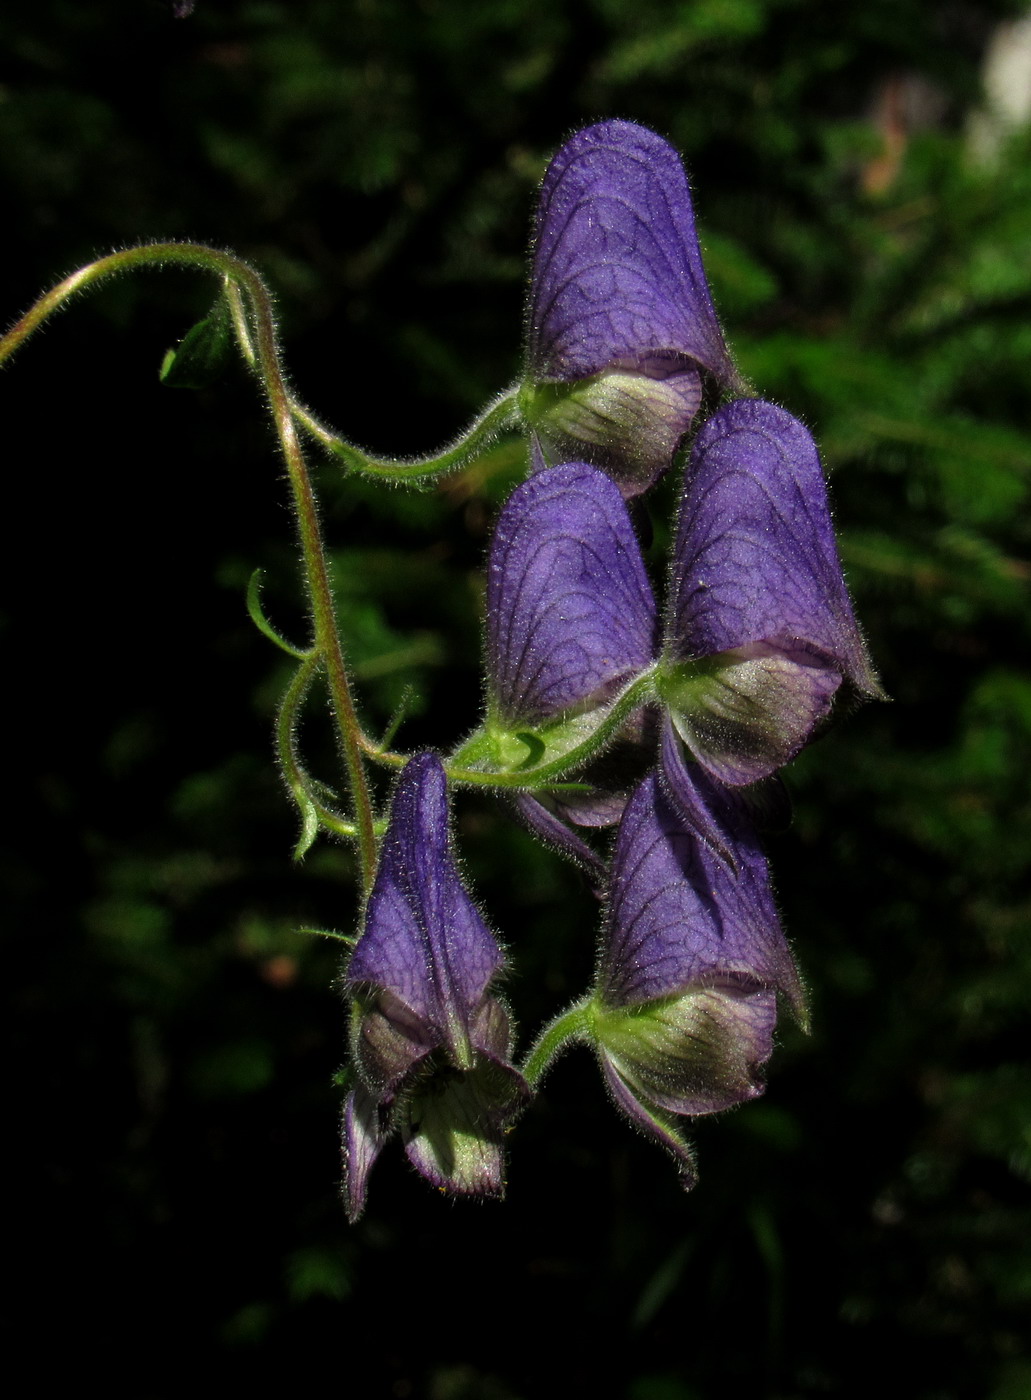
column 173, row 1037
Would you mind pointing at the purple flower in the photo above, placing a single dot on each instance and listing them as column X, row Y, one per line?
column 692, row 960
column 571, row 619
column 431, row 1044
column 621, row 325
column 570, row 613
column 759, row 628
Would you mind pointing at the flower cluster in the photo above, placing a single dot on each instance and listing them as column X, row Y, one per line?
column 609, row 707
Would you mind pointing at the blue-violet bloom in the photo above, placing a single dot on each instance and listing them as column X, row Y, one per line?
column 430, row 1041
column 571, row 616
column 571, row 619
column 759, row 630
column 692, row 960
column 620, row 324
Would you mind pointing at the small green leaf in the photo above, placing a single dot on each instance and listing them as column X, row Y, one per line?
column 262, row 623
column 397, row 718
column 349, row 938
column 203, row 354
column 309, row 824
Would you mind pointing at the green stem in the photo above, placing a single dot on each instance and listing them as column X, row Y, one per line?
column 502, row 415
column 639, row 692
column 314, row 812
column 238, row 316
column 572, row 1025
column 260, row 334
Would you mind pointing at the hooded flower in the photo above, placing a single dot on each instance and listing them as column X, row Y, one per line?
column 570, row 612
column 692, row 960
column 621, row 326
column 759, row 630
column 571, row 619
column 431, row 1044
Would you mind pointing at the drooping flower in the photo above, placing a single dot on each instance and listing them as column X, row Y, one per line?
column 759, row 630
column 430, row 1042
column 571, row 618
column 621, row 326
column 570, row 611
column 692, row 961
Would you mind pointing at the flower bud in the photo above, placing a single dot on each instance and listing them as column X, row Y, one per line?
column 431, row 1043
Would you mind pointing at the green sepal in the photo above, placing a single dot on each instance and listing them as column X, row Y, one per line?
column 533, row 756
column 746, row 712
column 493, row 749
column 696, row 1051
column 625, row 421
column 204, row 353
column 687, row 686
column 452, row 1124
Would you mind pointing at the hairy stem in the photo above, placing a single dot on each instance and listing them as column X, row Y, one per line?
column 502, row 415
column 255, row 327
column 571, row 1025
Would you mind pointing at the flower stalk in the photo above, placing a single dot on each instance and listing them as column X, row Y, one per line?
column 255, row 314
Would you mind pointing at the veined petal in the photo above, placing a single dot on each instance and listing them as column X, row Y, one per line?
column 388, row 1040
column 696, row 1053
column 689, row 795
column 424, row 942
column 651, row 1120
column 679, row 916
column 755, row 560
column 618, row 281
column 685, row 1005
column 599, row 792
column 362, row 1138
column 453, row 1125
column 553, row 831
column 747, row 712
column 627, row 422
column 570, row 613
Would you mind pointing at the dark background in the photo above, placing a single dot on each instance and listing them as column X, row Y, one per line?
column 170, row 1108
